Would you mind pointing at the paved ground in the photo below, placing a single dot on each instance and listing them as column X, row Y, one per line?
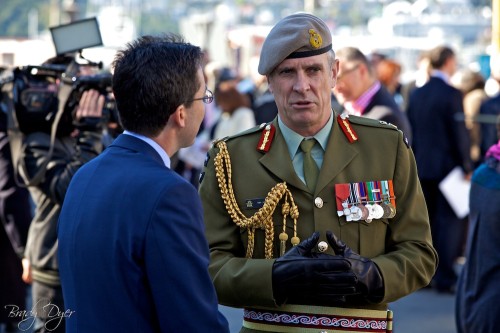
column 422, row 312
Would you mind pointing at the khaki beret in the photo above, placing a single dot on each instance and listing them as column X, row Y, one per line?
column 296, row 36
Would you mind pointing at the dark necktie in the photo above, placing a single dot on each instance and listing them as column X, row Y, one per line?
column 311, row 170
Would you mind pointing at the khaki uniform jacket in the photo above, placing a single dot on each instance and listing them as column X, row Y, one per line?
column 401, row 247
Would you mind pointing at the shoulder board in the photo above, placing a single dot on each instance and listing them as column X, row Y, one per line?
column 377, row 123
column 255, row 129
column 371, row 122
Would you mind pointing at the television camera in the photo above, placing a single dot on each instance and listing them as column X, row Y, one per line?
column 36, row 91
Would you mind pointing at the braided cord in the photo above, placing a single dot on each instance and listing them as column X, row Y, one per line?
column 262, row 219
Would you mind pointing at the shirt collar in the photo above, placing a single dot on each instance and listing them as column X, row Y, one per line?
column 358, row 106
column 163, row 154
column 440, row 74
column 294, row 139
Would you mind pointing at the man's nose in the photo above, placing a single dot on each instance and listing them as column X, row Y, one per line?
column 301, row 83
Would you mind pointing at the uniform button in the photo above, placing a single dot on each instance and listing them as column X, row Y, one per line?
column 322, row 246
column 318, row 202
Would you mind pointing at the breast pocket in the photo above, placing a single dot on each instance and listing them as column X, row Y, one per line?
column 372, row 237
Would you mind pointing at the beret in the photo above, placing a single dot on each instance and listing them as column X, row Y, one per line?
column 298, row 35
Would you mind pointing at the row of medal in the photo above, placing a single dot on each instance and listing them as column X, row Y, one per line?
column 366, row 200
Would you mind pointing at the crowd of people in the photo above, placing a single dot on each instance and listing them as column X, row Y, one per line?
column 318, row 191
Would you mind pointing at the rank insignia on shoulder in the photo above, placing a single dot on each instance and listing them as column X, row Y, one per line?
column 345, row 125
column 405, row 138
column 266, row 138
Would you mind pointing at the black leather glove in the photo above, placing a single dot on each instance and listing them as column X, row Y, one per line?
column 305, row 277
column 370, row 281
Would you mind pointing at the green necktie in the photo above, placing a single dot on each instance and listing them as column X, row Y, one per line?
column 311, row 170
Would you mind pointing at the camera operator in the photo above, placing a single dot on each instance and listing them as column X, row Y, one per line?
column 76, row 142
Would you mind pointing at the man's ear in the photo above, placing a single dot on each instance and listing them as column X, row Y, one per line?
column 179, row 116
column 269, row 86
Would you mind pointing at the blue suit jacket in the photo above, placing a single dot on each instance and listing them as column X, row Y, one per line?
column 440, row 141
column 396, row 117
column 133, row 255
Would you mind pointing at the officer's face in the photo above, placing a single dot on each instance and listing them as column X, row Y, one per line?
column 302, row 89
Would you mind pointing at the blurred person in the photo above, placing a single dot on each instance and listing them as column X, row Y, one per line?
column 476, row 307
column 441, row 143
column 290, row 234
column 236, row 114
column 133, row 255
column 492, row 86
column 471, row 84
column 489, row 109
column 376, row 57
column 388, row 72
column 421, row 76
column 264, row 108
column 51, row 154
column 361, row 93
column 15, row 215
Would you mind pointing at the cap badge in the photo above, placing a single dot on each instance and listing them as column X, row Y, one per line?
column 315, row 40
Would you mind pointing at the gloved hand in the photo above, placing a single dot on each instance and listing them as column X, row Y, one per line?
column 305, row 277
column 370, row 281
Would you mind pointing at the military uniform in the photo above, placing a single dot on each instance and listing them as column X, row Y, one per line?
column 400, row 246
column 366, row 202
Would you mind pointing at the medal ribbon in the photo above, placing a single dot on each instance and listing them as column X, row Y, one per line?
column 388, row 192
column 391, row 193
column 356, row 193
column 369, row 191
column 376, row 191
column 385, row 190
column 352, row 194
column 362, row 192
column 341, row 195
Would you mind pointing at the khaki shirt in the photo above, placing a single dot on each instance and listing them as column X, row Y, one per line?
column 401, row 246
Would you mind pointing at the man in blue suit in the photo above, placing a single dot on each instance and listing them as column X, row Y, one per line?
column 133, row 255
column 440, row 144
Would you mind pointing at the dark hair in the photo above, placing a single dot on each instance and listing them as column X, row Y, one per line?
column 152, row 77
column 439, row 55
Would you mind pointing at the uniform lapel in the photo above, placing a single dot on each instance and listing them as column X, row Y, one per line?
column 278, row 161
column 339, row 153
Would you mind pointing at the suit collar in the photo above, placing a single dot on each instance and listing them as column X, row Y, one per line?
column 137, row 145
